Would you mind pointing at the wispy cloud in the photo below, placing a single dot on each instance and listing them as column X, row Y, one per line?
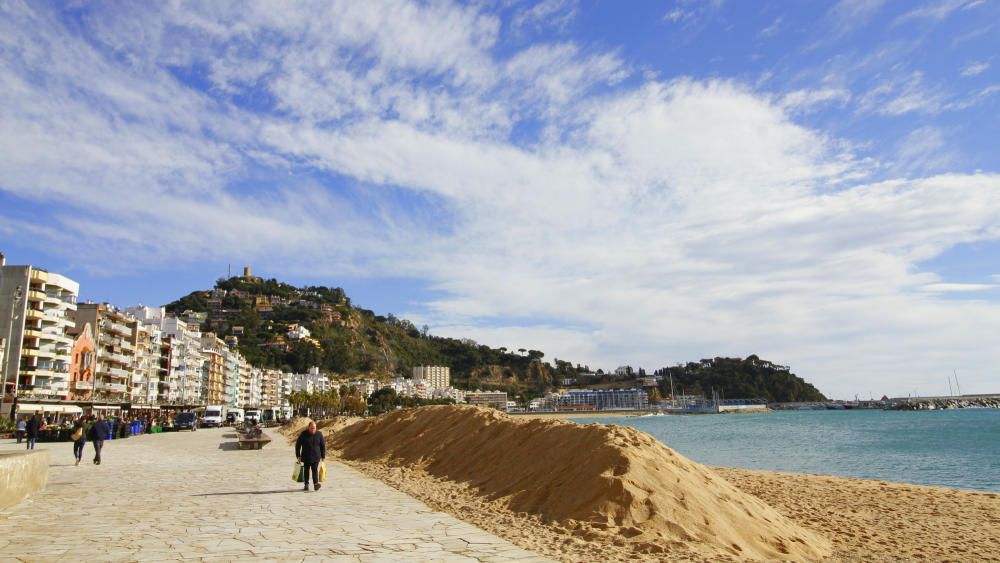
column 974, row 69
column 937, row 10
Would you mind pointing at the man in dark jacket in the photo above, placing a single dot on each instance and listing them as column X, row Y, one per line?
column 31, row 430
column 98, row 432
column 310, row 449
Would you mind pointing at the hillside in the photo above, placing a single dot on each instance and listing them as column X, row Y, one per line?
column 350, row 340
column 268, row 318
column 738, row 378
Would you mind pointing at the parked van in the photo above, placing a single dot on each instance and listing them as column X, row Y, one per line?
column 252, row 416
column 214, row 415
column 234, row 417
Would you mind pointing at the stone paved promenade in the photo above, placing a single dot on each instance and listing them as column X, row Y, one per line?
column 193, row 496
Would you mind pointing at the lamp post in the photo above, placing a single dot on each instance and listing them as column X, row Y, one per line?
column 14, row 316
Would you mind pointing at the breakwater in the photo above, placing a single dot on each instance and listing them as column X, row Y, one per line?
column 946, row 402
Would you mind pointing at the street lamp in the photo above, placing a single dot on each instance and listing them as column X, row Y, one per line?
column 14, row 316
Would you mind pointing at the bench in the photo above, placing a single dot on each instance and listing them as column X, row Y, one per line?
column 253, row 440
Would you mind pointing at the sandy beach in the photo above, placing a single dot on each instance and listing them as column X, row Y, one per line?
column 626, row 498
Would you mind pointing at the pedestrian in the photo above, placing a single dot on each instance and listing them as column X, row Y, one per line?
column 310, row 449
column 31, row 429
column 98, row 433
column 79, row 438
column 22, row 428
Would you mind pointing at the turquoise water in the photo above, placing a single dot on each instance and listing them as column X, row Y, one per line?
column 952, row 448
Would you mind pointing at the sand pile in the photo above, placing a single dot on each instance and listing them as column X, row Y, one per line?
column 294, row 427
column 331, row 426
column 594, row 479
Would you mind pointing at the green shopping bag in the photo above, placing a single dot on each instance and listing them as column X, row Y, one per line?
column 300, row 472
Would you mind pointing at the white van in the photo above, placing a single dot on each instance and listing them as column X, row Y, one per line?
column 215, row 415
column 251, row 416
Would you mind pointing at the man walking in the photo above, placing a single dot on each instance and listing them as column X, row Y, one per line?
column 310, row 449
column 31, row 430
column 98, row 433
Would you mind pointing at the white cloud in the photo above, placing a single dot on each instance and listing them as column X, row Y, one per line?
column 903, row 94
column 937, row 11
column 805, row 101
column 957, row 287
column 647, row 224
column 974, row 68
column 547, row 13
column 772, row 29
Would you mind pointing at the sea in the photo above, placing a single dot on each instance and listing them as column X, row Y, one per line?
column 957, row 448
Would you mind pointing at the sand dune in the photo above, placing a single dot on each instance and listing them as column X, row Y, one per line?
column 605, row 485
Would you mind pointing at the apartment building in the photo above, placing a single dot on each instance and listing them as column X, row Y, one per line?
column 213, row 380
column 184, row 366
column 36, row 315
column 115, row 339
column 148, row 359
column 495, row 399
column 435, row 377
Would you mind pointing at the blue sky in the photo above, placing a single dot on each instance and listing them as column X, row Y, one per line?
column 644, row 183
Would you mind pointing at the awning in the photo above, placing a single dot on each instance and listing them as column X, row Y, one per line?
column 31, row 408
column 106, row 408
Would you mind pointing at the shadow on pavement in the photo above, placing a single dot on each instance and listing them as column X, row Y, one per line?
column 229, row 446
column 249, row 493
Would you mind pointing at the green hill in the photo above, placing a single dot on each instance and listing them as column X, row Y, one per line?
column 738, row 379
column 349, row 340
column 355, row 342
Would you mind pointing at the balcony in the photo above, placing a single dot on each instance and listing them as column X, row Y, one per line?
column 112, row 387
column 81, row 385
column 116, row 358
column 36, row 295
column 117, row 328
column 36, row 314
column 117, row 372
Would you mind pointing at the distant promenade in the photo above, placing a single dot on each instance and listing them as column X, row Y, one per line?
column 181, row 496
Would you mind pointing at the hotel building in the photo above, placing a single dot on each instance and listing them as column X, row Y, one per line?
column 36, row 315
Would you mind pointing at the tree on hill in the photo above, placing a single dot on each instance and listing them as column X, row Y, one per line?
column 738, row 378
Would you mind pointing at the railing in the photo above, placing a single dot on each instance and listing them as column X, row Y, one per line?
column 119, row 328
column 117, row 372
column 115, row 387
column 118, row 358
column 81, row 385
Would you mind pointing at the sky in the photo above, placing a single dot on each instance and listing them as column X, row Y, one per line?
column 641, row 183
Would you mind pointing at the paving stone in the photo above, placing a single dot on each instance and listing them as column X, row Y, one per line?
column 173, row 497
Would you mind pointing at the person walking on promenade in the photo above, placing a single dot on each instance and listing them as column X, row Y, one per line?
column 79, row 437
column 31, row 429
column 22, row 428
column 98, row 433
column 310, row 449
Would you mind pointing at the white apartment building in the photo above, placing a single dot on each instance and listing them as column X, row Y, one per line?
column 146, row 377
column 436, row 377
column 36, row 317
column 185, row 364
column 312, row 382
column 297, row 332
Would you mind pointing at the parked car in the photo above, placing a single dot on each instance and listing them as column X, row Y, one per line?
column 186, row 421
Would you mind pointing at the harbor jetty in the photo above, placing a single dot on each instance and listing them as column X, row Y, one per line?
column 944, row 402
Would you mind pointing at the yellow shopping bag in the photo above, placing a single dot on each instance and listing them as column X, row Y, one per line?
column 322, row 472
column 297, row 474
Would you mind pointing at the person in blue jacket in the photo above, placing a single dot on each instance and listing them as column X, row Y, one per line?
column 98, row 433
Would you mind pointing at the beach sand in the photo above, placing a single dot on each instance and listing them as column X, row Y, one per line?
column 880, row 521
column 649, row 503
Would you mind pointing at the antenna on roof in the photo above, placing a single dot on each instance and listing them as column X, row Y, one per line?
column 229, row 272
